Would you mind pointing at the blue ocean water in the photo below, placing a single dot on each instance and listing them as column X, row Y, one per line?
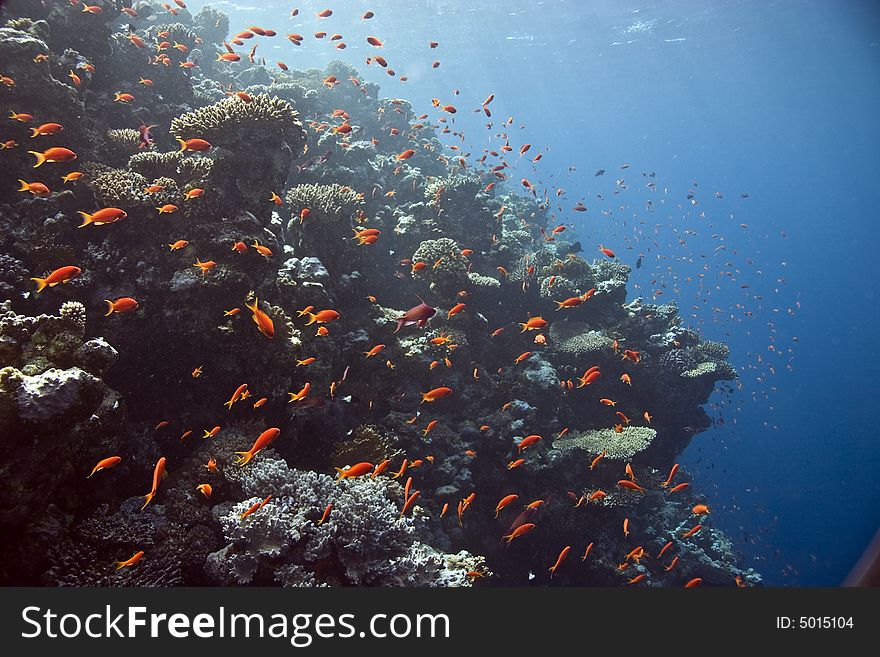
column 771, row 105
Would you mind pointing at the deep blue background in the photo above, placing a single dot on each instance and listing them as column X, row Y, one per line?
column 780, row 100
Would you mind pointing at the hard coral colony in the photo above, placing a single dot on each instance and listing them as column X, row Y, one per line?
column 193, row 436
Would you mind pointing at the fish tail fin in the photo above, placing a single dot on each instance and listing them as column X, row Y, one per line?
column 340, row 472
column 207, row 433
column 34, row 132
column 229, row 406
column 254, row 307
column 524, row 327
column 243, row 457
column 109, row 307
column 312, row 319
column 40, row 158
column 93, row 472
column 24, row 185
column 87, row 218
column 182, row 144
column 119, row 564
column 559, row 305
column 41, row 283
column 148, row 498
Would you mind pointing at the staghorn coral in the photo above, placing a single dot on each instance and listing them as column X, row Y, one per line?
column 617, row 446
column 364, row 542
column 482, row 281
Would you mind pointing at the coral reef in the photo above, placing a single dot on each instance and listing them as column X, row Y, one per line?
column 279, row 254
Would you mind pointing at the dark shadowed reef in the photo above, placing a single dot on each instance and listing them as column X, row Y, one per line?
column 77, row 386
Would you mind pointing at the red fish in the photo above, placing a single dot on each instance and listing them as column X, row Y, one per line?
column 506, row 500
column 102, row 216
column 416, row 315
column 199, row 145
column 519, row 531
column 631, row 485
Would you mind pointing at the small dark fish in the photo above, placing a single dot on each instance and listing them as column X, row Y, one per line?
column 599, row 172
column 639, row 263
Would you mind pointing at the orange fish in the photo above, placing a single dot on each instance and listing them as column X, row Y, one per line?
column 322, row 317
column 522, row 357
column 198, row 145
column 373, row 41
column 519, row 531
column 607, row 252
column 638, row 578
column 103, row 464
column 35, row 188
column 325, row 515
column 664, row 549
column 572, row 302
column 700, row 509
column 507, row 499
column 206, row 490
column 158, row 473
column 380, row 468
column 168, row 208
column 260, row 402
column 405, row 155
column 59, row 276
column 629, row 472
column 587, row 552
column 137, row 556
column 435, row 394
column 533, row 324
column 626, row 526
column 357, row 470
column 626, row 379
column 559, row 560
column 236, row 396
column 306, row 361
column 631, row 485
column 527, row 442
column 678, row 488
column 72, row 176
column 255, row 507
column 264, row 323
column 123, row 97
column 693, row 530
column 648, row 417
column 262, row 442
column 596, row 460
column 608, row 402
column 515, row 464
column 696, row 581
column 672, row 473
column 457, row 308
column 121, row 305
column 408, row 504
column 55, row 154
column 195, row 192
column 204, row 266
column 46, row 129
column 264, row 251
column 302, row 394
column 597, row 495
column 213, row 432
column 427, row 429
column 211, row 465
column 22, row 117
column 228, row 57
column 102, row 216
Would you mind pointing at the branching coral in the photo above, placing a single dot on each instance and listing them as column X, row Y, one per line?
column 333, row 204
column 364, row 541
column 445, row 268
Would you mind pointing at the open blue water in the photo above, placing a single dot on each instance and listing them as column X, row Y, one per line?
column 776, row 100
